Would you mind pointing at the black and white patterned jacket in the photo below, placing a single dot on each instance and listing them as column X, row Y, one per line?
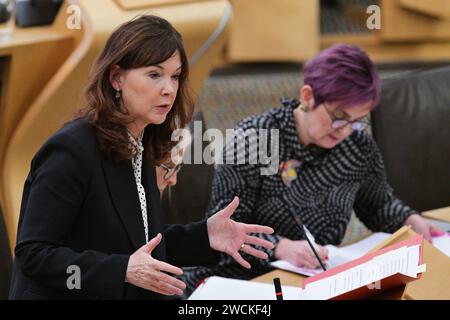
column 329, row 184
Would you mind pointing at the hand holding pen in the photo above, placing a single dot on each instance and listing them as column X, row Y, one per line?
column 299, row 253
column 314, row 247
column 304, row 253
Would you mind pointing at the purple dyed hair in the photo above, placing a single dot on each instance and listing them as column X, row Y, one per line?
column 343, row 74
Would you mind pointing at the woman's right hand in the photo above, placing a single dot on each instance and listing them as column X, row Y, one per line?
column 299, row 253
column 145, row 272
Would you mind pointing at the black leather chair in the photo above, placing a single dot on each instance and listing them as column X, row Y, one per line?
column 412, row 129
column 188, row 200
column 5, row 260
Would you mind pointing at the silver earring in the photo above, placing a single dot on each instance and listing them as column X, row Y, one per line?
column 117, row 94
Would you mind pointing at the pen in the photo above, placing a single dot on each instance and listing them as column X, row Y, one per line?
column 312, row 243
column 309, row 237
column 278, row 292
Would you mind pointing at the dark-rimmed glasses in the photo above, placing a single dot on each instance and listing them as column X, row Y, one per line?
column 339, row 123
column 170, row 171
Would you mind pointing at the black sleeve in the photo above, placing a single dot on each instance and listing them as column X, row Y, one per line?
column 376, row 204
column 53, row 196
column 188, row 245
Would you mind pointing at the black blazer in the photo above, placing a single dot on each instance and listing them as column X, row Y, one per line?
column 79, row 208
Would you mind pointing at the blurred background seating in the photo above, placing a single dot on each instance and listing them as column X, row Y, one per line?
column 411, row 127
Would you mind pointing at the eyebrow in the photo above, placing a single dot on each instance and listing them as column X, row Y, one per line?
column 162, row 68
column 347, row 117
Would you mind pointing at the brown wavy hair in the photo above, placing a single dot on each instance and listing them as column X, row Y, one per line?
column 144, row 41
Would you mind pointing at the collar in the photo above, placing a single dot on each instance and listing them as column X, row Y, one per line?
column 136, row 143
column 310, row 154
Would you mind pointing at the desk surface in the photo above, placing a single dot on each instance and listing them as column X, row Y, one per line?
column 33, row 56
column 442, row 214
column 431, row 286
column 414, row 291
column 31, row 36
column 287, row 278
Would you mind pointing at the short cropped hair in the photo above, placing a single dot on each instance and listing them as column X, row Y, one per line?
column 343, row 74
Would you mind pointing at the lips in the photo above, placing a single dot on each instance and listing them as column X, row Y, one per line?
column 162, row 108
column 333, row 137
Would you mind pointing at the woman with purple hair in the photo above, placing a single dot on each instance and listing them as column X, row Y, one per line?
column 328, row 166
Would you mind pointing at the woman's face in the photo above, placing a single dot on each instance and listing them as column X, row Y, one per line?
column 316, row 125
column 319, row 122
column 148, row 93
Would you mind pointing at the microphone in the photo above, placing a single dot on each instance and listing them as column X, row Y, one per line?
column 304, row 232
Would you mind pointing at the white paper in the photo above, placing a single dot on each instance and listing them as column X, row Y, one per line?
column 338, row 256
column 218, row 288
column 284, row 265
column 443, row 243
column 360, row 248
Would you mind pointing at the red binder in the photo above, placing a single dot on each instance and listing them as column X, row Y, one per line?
column 386, row 284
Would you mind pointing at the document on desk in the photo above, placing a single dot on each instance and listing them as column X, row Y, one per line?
column 218, row 288
column 403, row 261
column 391, row 267
column 338, row 256
column 443, row 243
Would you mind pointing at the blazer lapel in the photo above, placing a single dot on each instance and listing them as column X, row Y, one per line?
column 154, row 211
column 123, row 192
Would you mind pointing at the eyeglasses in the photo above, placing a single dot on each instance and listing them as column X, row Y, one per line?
column 339, row 123
column 170, row 171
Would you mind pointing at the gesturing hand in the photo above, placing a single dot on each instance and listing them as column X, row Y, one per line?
column 226, row 235
column 146, row 272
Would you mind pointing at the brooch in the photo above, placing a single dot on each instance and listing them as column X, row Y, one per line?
column 288, row 173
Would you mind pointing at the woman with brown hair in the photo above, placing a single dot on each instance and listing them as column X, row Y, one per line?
column 90, row 224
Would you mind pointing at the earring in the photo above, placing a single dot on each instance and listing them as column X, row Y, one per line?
column 303, row 108
column 117, row 96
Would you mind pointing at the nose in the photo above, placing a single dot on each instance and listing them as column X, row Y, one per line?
column 347, row 129
column 169, row 88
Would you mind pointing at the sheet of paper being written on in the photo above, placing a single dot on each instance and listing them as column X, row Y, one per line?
column 337, row 256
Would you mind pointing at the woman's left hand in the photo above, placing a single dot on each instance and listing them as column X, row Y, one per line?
column 422, row 226
column 229, row 236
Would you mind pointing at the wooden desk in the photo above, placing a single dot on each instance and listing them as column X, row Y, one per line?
column 417, row 290
column 442, row 214
column 287, row 278
column 434, row 284
column 30, row 58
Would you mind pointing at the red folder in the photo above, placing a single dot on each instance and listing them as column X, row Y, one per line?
column 386, row 284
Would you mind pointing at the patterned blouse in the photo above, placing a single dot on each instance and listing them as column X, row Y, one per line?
column 136, row 163
column 325, row 185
